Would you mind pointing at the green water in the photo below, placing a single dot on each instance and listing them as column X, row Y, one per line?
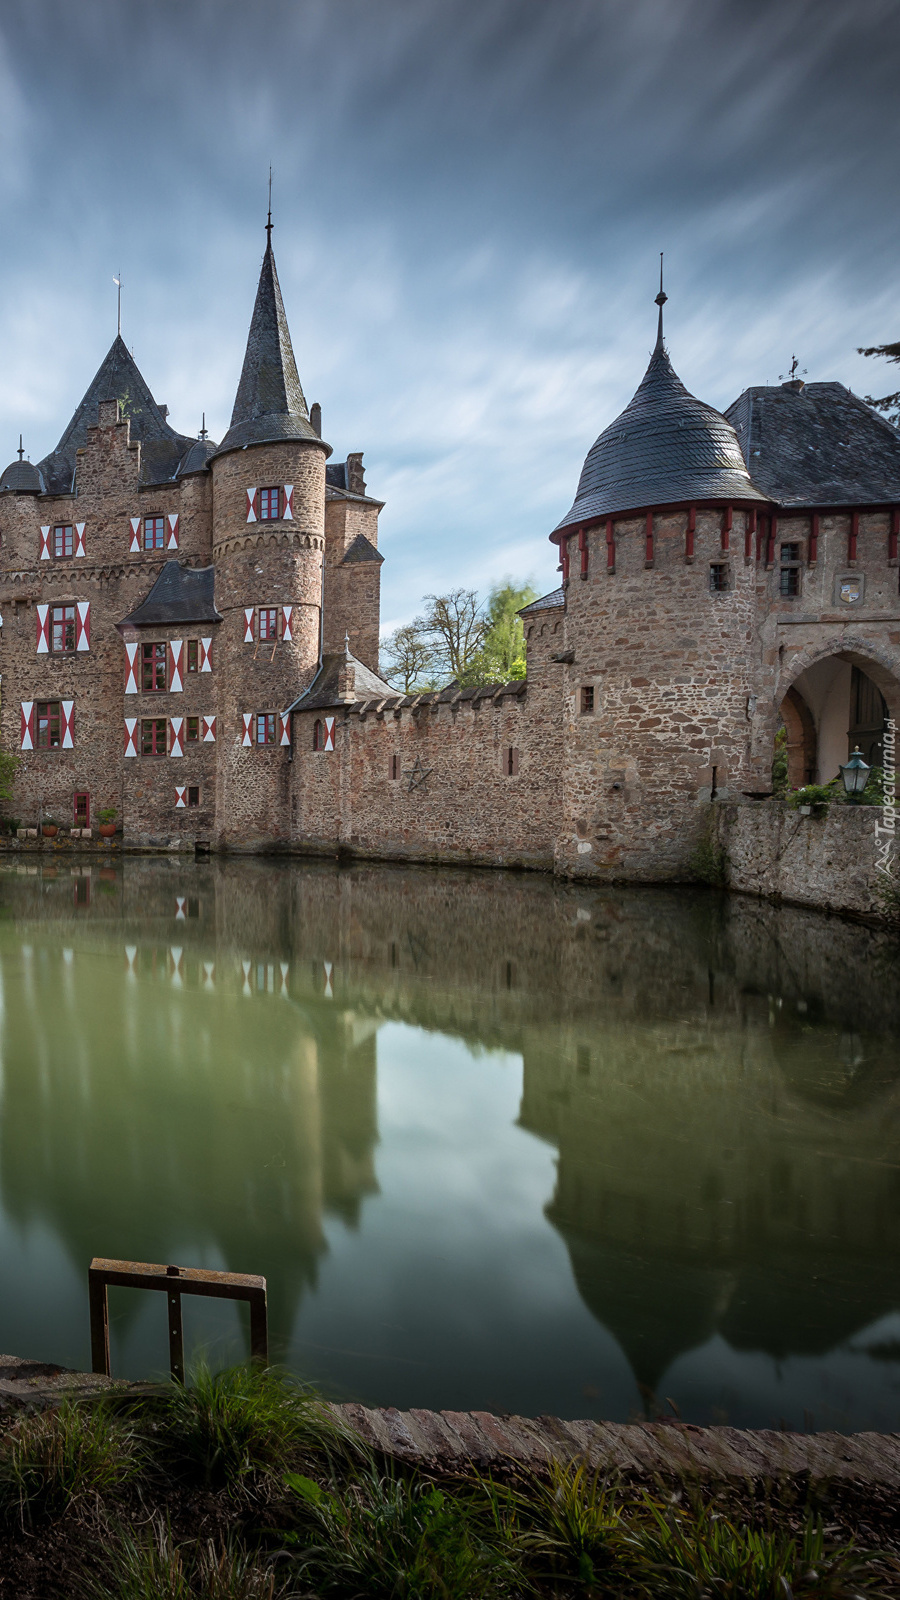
column 495, row 1142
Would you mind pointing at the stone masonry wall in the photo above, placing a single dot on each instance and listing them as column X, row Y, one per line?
column 828, row 862
column 352, row 589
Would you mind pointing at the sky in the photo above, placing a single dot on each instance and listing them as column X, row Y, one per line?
column 470, row 198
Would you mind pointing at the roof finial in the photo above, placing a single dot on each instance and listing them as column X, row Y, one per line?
column 660, row 301
column 118, row 283
column 269, row 219
column 346, row 645
column 21, row 451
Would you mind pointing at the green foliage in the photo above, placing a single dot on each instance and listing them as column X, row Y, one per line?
column 709, row 862
column 108, row 814
column 223, row 1426
column 389, row 1538
column 817, row 795
column 889, row 403
column 9, row 766
column 152, row 1566
column 571, row 1522
column 780, row 763
column 52, row 1459
column 459, row 640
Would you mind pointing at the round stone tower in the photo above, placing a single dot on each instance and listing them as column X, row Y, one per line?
column 268, row 546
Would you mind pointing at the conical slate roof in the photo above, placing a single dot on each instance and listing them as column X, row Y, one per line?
column 269, row 404
column 118, row 378
column 667, row 448
column 22, row 477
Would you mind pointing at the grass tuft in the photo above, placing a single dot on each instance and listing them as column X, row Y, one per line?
column 52, row 1459
column 571, row 1521
column 153, row 1566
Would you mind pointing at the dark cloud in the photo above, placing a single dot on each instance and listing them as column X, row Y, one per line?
column 469, row 199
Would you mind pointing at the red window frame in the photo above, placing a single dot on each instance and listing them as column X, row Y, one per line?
column 63, row 541
column 154, row 736
column 268, row 622
column 154, row 533
column 153, row 668
column 269, row 505
column 48, row 732
column 193, row 655
column 192, row 730
column 319, row 735
column 265, row 726
column 62, row 629
column 81, row 810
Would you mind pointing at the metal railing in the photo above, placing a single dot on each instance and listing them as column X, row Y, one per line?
column 173, row 1282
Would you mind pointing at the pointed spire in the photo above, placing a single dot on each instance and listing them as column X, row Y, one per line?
column 21, row 451
column 660, row 301
column 269, row 404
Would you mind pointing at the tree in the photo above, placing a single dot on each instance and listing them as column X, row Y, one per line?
column 456, row 629
column 503, row 652
column 889, row 403
column 408, row 657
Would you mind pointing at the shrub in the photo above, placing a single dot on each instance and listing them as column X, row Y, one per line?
column 51, row 1459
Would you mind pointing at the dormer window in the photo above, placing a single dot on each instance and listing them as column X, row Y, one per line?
column 269, row 505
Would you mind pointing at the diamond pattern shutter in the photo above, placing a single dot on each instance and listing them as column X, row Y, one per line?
column 131, row 683
column 180, row 796
column 248, row 724
column 248, row 624
column 135, row 544
column 45, row 544
column 79, row 538
column 172, row 530
column 287, row 613
column 208, row 725
column 205, row 647
column 176, row 742
column 329, row 734
column 131, row 748
column 176, row 658
column 27, row 724
column 83, row 625
column 251, row 505
column 289, row 501
column 285, row 720
column 43, row 629
column 66, row 707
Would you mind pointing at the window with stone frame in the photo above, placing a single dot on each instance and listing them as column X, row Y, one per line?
column 192, row 730
column 319, row 737
column 154, row 736
column 268, row 622
column 153, row 668
column 154, row 533
column 193, row 655
column 62, row 629
column 587, row 700
column 395, row 759
column 789, row 576
column 511, row 762
column 49, row 723
column 63, row 541
column 718, row 577
column 265, row 727
column 193, row 799
column 269, row 505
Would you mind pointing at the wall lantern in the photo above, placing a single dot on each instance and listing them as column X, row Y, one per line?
column 855, row 774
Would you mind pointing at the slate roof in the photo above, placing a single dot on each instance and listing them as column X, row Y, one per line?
column 816, row 444
column 180, row 594
column 362, row 549
column 22, row 477
column 270, row 404
column 323, row 691
column 118, row 378
column 666, row 448
column 547, row 602
column 198, row 457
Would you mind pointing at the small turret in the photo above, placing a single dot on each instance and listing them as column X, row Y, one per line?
column 21, row 477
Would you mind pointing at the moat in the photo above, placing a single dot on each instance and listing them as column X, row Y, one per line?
column 495, row 1141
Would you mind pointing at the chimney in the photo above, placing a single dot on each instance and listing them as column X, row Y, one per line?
column 315, row 417
column 356, row 477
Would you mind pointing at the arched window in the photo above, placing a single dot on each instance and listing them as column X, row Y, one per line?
column 318, row 739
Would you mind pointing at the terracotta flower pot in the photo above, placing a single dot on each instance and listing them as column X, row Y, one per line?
column 106, row 830
column 49, row 830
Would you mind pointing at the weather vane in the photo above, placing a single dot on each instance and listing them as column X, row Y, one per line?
column 118, row 283
column 660, row 300
column 792, row 376
column 269, row 220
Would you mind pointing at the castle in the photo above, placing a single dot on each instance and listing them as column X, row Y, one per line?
column 190, row 630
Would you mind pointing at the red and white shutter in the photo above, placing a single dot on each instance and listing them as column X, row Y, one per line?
column 131, row 748
column 248, row 624
column 27, row 724
column 176, row 951
column 135, row 544
column 83, row 625
column 43, row 629
column 288, row 501
column 284, row 971
column 45, row 544
column 248, row 725
column 180, row 796
column 130, row 954
column 131, row 683
column 176, row 655
column 329, row 734
column 180, row 901
column 171, row 530
column 251, row 505
column 66, row 708
column 209, row 730
column 176, row 743
column 79, row 538
column 205, row 647
column 285, row 718
column 287, row 613
column 209, row 974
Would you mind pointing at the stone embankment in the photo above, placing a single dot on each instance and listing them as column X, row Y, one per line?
column 826, row 862
column 459, row 1440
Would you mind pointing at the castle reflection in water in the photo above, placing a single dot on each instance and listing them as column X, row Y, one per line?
column 719, row 1078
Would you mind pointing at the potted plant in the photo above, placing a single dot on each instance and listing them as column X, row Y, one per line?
column 107, row 820
column 49, row 827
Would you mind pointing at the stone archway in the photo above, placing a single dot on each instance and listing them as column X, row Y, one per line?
column 801, row 739
column 826, row 689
